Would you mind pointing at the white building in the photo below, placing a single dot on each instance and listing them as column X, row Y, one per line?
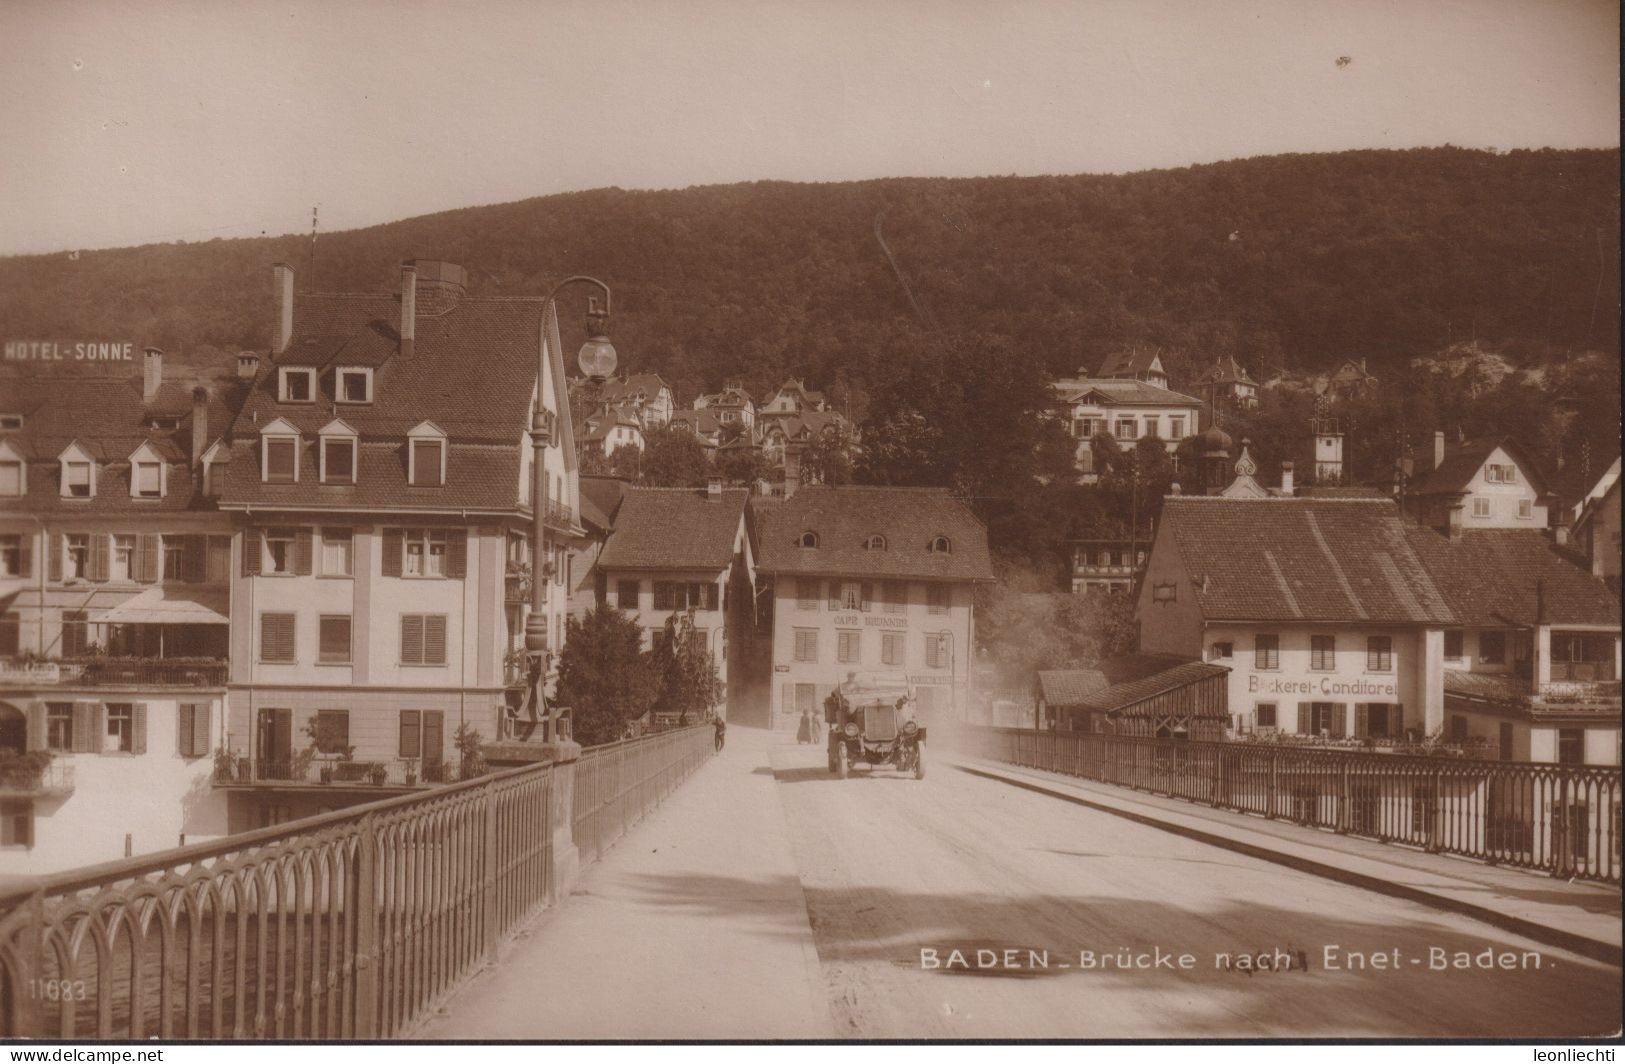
column 1489, row 482
column 1125, row 411
column 868, row 579
column 647, row 396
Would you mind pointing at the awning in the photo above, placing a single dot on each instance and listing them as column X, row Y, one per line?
column 170, row 605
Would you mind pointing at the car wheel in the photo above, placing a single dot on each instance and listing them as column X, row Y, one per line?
column 919, row 761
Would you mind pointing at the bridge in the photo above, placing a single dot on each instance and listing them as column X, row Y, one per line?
column 1043, row 886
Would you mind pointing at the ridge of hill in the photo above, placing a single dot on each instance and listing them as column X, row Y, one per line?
column 1291, row 263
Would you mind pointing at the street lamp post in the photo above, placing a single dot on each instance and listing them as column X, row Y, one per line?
column 597, row 361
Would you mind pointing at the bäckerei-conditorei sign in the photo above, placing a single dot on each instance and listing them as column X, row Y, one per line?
column 1326, row 686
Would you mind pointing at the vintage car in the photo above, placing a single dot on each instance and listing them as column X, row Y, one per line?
column 873, row 721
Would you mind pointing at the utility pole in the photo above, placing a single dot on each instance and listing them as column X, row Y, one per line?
column 312, row 266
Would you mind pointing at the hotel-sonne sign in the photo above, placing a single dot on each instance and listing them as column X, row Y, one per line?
column 68, row 351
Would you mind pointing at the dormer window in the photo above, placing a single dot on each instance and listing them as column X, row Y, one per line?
column 10, row 422
column 808, row 539
column 353, row 385
column 339, row 453
column 279, row 453
column 165, row 424
column 875, row 543
column 78, row 472
column 296, row 384
column 148, row 477
column 426, row 456
column 939, row 545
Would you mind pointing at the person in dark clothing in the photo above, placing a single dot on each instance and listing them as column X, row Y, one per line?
column 722, row 731
column 804, row 730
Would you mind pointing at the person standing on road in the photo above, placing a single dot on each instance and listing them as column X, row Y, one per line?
column 804, row 733
column 721, row 726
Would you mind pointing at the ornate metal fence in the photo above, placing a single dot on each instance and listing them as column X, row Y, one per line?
column 1564, row 819
column 352, row 924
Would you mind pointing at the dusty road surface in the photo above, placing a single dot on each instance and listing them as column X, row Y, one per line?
column 891, row 867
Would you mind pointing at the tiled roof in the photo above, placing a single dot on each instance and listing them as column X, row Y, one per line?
column 1489, row 577
column 478, row 476
column 1295, row 559
column 1115, row 392
column 794, row 384
column 1225, row 370
column 674, row 528
column 804, row 425
column 649, row 384
column 1128, row 363
column 1125, row 694
column 472, row 373
column 1069, row 687
column 1462, row 461
column 700, row 422
column 108, row 417
column 844, row 517
column 1587, row 508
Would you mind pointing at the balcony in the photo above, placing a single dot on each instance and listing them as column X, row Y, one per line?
column 385, row 777
column 116, row 672
column 1596, row 695
column 557, row 515
column 32, row 776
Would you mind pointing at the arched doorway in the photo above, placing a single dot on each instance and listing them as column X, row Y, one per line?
column 13, row 730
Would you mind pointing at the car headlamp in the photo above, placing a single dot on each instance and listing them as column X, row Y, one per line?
column 851, row 729
column 909, row 727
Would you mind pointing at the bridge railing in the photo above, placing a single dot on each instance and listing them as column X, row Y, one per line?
column 1564, row 819
column 349, row 925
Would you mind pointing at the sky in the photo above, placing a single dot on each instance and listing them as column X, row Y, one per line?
column 142, row 121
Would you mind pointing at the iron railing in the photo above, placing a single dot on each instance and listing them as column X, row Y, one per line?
column 329, row 772
column 349, row 925
column 1564, row 819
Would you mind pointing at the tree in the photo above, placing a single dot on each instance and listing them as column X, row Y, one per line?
column 673, row 458
column 1023, row 630
column 604, row 675
column 689, row 684
column 828, row 458
column 743, row 465
column 626, row 461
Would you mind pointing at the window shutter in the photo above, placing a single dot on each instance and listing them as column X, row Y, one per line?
column 25, row 556
column 1306, row 721
column 100, row 546
column 1340, row 723
column 394, row 547
column 303, row 556
column 202, row 725
column 457, row 554
column 834, row 594
column 186, row 714
column 865, row 596
column 253, row 550
column 663, row 596
column 83, row 721
column 194, row 558
column 36, row 726
column 138, row 728
column 411, row 733
column 787, row 697
column 434, row 742
column 150, row 557
column 412, row 639
column 1362, row 720
column 434, row 639
column 1396, row 721
column 713, row 597
column 55, row 562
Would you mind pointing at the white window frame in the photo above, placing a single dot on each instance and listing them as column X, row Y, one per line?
column 285, row 375
column 1526, row 509
column 364, row 372
column 1481, row 507
column 280, row 534
column 145, row 457
column 337, row 431
column 76, row 455
column 11, row 553
column 426, row 539
column 424, row 431
column 125, row 544
column 1176, row 426
column 81, row 571
column 333, row 535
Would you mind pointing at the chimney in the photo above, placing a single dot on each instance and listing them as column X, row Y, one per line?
column 1438, row 449
column 152, row 372
column 282, row 289
column 248, row 365
column 409, row 308
column 1173, row 489
column 200, row 425
column 1083, row 373
column 1286, row 478
column 713, row 487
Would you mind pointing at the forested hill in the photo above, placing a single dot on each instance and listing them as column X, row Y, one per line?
column 1288, row 262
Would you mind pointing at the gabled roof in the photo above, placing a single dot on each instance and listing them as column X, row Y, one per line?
column 600, row 499
column 804, row 425
column 1301, row 560
column 1463, row 460
column 674, row 528
column 649, row 385
column 1587, row 508
column 1131, row 363
column 844, row 517
column 1226, row 370
column 700, row 422
column 1146, row 677
column 1489, row 577
column 794, row 384
column 1069, row 687
column 1116, row 392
